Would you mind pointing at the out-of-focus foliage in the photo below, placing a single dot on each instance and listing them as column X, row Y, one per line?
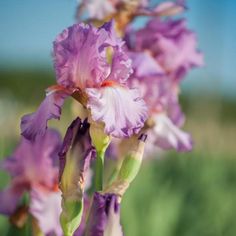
column 193, row 195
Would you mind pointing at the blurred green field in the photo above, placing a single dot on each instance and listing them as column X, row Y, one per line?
column 191, row 194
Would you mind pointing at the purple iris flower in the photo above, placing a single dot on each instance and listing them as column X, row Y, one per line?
column 92, row 67
column 34, row 169
column 172, row 45
column 160, row 93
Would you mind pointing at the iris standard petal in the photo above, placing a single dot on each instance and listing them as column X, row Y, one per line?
column 172, row 44
column 78, row 60
column 145, row 65
column 121, row 67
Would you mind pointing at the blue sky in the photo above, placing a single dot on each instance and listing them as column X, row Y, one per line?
column 28, row 27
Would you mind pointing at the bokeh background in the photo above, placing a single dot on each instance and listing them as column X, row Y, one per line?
column 179, row 195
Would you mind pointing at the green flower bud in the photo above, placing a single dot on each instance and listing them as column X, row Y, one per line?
column 100, row 140
column 129, row 168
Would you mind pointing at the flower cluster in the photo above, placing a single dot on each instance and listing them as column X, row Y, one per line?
column 128, row 83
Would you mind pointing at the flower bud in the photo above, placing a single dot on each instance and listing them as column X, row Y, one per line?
column 104, row 218
column 129, row 168
column 100, row 140
column 74, row 170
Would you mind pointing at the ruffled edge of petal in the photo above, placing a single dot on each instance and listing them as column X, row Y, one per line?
column 35, row 124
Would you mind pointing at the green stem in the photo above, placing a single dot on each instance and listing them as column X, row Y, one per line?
column 99, row 171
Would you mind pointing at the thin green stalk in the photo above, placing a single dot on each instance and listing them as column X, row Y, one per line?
column 99, row 171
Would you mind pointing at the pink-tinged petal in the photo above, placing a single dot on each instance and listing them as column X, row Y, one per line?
column 9, row 199
column 35, row 163
column 32, row 164
column 121, row 67
column 121, row 109
column 145, row 65
column 155, row 90
column 169, row 136
column 179, row 56
column 82, row 60
column 111, row 38
column 174, row 110
column 78, row 59
column 172, row 44
column 35, row 124
column 46, row 208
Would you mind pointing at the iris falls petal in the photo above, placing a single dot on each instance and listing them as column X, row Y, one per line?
column 121, row 109
column 35, row 124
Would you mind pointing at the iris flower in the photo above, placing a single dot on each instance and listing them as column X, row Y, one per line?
column 172, row 45
column 33, row 168
column 92, row 67
column 162, row 53
column 161, row 97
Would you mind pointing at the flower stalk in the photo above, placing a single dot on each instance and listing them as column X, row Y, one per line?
column 99, row 171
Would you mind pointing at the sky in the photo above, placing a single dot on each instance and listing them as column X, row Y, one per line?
column 28, row 28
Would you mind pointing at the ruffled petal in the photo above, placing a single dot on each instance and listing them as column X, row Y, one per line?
column 121, row 67
column 111, row 37
column 78, row 58
column 172, row 44
column 85, row 56
column 145, row 65
column 104, row 219
column 35, row 124
column 46, row 208
column 170, row 136
column 121, row 109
